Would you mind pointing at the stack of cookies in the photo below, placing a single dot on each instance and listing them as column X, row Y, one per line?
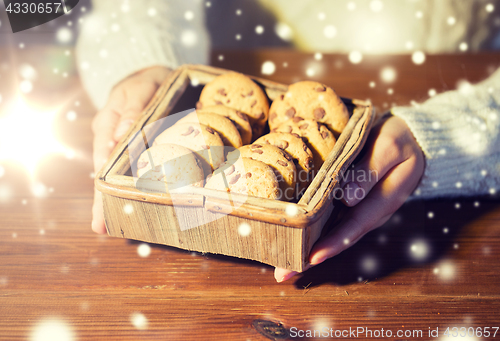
column 212, row 146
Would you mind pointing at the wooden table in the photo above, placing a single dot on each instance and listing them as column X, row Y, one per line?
column 58, row 275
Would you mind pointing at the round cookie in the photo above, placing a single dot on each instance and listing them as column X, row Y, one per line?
column 310, row 100
column 175, row 165
column 223, row 126
column 239, row 119
column 237, row 91
column 298, row 150
column 278, row 159
column 318, row 138
column 246, row 176
column 199, row 138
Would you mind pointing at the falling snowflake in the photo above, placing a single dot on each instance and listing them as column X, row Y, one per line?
column 409, row 45
column 321, row 16
column 21, row 45
column 376, row 5
column 125, row 7
column 291, row 210
column 139, row 321
column 238, row 37
column 329, row 31
column 419, row 250
column 189, row 38
column 144, row 250
column 283, row 31
column 445, row 230
column 238, row 11
column 476, row 203
column 188, row 15
column 244, row 229
column 152, row 12
column 451, row 21
column 463, row 46
column 64, row 35
column 346, row 241
column 490, row 8
column 27, row 72
column 195, row 82
column 418, row 57
column 432, row 92
column 268, row 68
column 457, row 205
column 128, row 209
column 39, row 190
column 318, row 56
column 492, row 191
column 446, row 270
column 25, row 86
column 390, row 91
column 436, row 125
column 369, row 264
column 355, row 57
column 115, row 28
column 259, row 29
column 372, row 84
column 419, row 14
column 52, row 329
column 430, row 215
column 71, row 115
column 458, row 185
column 221, row 57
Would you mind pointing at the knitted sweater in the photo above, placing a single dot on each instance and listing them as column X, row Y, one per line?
column 458, row 131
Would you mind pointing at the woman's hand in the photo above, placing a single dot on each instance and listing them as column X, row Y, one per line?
column 392, row 168
column 126, row 101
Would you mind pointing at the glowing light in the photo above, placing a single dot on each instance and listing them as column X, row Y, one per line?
column 430, row 215
column 115, row 28
column 351, row 6
column 330, row 31
column 291, row 210
column 221, row 57
column 432, row 92
column 457, row 205
column 283, row 31
column 125, row 8
column 128, row 209
column 436, row 125
column 464, row 87
column 369, row 264
column 419, row 15
column 372, row 84
column 71, row 115
column 14, row 235
column 208, row 4
column 346, row 241
column 445, row 230
column 435, row 184
column 376, row 5
column 484, row 172
column 152, row 12
column 463, row 46
column 25, row 86
column 409, row 45
column 259, row 29
column 318, row 56
column 268, row 68
column 195, row 82
column 238, row 11
column 238, row 37
column 310, row 72
column 52, row 329
column 458, row 185
column 39, row 135
column 139, row 321
column 451, row 21
column 446, row 270
column 39, row 190
column 42, row 232
column 355, row 57
column 27, row 72
column 490, row 8
column 244, row 229
column 189, row 38
column 476, row 203
column 64, row 35
column 144, row 250
column 188, row 15
column 492, row 191
column 418, row 57
column 321, row 16
column 390, row 91
column 419, row 250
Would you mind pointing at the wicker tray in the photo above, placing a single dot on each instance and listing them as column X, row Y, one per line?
column 275, row 232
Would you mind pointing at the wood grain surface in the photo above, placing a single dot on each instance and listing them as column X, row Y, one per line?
column 56, row 276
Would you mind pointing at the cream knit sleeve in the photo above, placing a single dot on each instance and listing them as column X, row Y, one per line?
column 122, row 37
column 459, row 133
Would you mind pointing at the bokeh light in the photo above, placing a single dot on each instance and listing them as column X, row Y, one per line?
column 144, row 250
column 52, row 329
column 268, row 68
column 244, row 230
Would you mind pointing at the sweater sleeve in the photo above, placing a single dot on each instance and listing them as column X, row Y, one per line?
column 458, row 132
column 120, row 38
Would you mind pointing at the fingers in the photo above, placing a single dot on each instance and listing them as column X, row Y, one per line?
column 282, row 275
column 374, row 210
column 386, row 148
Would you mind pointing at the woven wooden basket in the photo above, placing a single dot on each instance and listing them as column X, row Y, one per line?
column 275, row 232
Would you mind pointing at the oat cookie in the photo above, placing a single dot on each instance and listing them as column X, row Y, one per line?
column 223, row 126
column 298, row 150
column 310, row 100
column 175, row 165
column 246, row 176
column 317, row 137
column 237, row 91
column 239, row 119
column 199, row 138
column 278, row 159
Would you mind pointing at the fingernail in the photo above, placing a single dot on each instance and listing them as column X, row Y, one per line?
column 349, row 192
column 287, row 277
column 122, row 128
column 317, row 260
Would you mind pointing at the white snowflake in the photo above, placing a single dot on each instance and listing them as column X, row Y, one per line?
column 259, row 29
column 139, row 321
column 418, row 57
column 64, row 35
column 432, row 92
column 355, row 57
column 376, row 5
column 463, row 46
column 451, row 21
column 144, row 250
column 329, row 31
column 388, row 74
column 268, row 68
column 244, row 229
